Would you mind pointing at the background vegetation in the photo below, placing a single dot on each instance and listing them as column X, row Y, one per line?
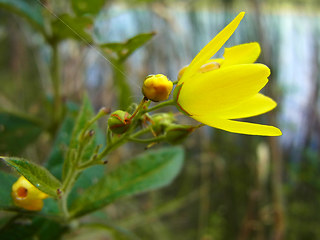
column 231, row 186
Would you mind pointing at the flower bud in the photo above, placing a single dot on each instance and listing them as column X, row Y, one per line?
column 27, row 196
column 119, row 121
column 177, row 133
column 157, row 87
column 161, row 121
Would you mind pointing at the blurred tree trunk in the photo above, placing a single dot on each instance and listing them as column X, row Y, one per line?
column 276, row 151
column 312, row 115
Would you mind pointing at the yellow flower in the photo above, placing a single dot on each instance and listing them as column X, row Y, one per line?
column 217, row 91
column 157, row 87
column 27, row 196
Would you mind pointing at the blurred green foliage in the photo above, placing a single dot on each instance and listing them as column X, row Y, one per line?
column 218, row 196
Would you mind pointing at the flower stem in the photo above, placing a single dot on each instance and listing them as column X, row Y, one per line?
column 147, row 140
column 55, row 80
column 143, row 101
column 160, row 105
column 75, row 170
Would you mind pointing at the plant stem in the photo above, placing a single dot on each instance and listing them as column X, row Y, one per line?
column 160, row 105
column 141, row 104
column 66, row 188
column 141, row 132
column 75, row 170
column 77, row 167
column 147, row 140
column 55, row 80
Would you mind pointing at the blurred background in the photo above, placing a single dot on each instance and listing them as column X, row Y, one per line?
column 232, row 186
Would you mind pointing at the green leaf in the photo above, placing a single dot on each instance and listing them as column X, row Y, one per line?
column 37, row 175
column 107, row 228
column 122, row 87
column 85, row 114
column 30, row 10
column 124, row 50
column 60, row 146
column 146, row 172
column 66, row 26
column 87, row 178
column 35, row 228
column 85, row 7
column 6, row 181
column 17, row 132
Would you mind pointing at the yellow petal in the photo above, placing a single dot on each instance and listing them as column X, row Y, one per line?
column 256, row 105
column 223, row 88
column 239, row 127
column 26, row 203
column 211, row 48
column 240, row 54
column 32, row 191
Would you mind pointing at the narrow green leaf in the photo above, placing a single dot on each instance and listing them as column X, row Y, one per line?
column 85, row 7
column 37, row 175
column 60, row 146
column 17, row 132
column 67, row 26
column 6, row 181
column 146, row 172
column 125, row 49
column 85, row 114
column 30, row 10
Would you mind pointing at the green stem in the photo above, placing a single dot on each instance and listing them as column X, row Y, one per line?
column 65, row 189
column 55, row 80
column 160, row 105
column 121, row 140
column 140, row 106
column 75, row 169
column 101, row 113
column 147, row 140
column 141, row 132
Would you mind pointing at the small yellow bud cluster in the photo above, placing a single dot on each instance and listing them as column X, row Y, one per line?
column 27, row 196
column 157, row 87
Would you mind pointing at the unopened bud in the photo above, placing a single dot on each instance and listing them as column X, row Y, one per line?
column 177, row 133
column 119, row 121
column 105, row 110
column 161, row 121
column 157, row 87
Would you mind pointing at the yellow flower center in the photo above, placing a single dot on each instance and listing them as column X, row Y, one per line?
column 22, row 192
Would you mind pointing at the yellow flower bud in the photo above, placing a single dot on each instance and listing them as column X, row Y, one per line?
column 27, row 196
column 157, row 87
